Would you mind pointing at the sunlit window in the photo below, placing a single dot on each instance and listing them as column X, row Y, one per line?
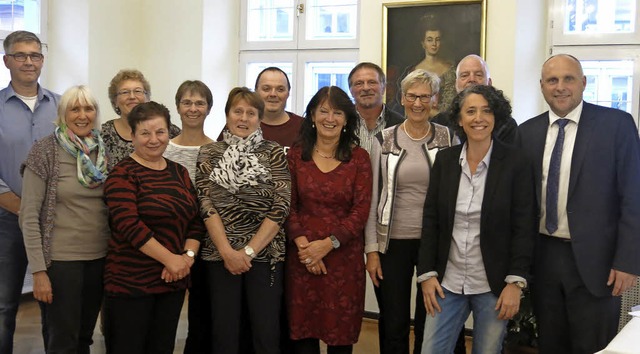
column 600, row 16
column 609, row 83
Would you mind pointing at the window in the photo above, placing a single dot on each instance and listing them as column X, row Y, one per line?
column 604, row 35
column 20, row 15
column 314, row 41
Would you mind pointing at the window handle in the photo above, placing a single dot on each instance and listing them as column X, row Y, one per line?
column 300, row 9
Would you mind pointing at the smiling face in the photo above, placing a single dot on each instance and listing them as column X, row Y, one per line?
column 24, row 73
column 329, row 121
column 130, row 93
column 193, row 110
column 243, row 119
column 431, row 42
column 417, row 111
column 150, row 138
column 471, row 71
column 367, row 88
column 273, row 90
column 80, row 118
column 562, row 83
column 476, row 118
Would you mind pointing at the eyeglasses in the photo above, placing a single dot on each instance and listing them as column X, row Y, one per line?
column 137, row 92
column 188, row 104
column 22, row 57
column 412, row 98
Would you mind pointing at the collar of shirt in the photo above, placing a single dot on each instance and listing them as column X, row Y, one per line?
column 483, row 164
column 573, row 116
column 379, row 122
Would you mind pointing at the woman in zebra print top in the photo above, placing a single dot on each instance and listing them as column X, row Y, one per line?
column 156, row 232
column 244, row 190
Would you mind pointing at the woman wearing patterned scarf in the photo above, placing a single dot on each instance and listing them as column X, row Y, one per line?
column 64, row 223
column 244, row 190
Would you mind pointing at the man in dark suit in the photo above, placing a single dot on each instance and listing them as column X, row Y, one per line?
column 586, row 162
column 367, row 83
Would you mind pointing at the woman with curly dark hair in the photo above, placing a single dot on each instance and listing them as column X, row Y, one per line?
column 478, row 229
column 330, row 198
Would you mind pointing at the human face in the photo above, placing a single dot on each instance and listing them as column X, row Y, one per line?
column 80, row 118
column 329, row 121
column 24, row 73
column 417, row 111
column 273, row 89
column 151, row 138
column 193, row 110
column 562, row 84
column 126, row 101
column 367, row 88
column 471, row 72
column 476, row 118
column 243, row 119
column 431, row 42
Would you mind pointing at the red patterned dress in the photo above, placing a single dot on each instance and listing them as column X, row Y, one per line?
column 328, row 307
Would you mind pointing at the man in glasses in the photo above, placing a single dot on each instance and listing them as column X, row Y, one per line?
column 26, row 114
column 472, row 70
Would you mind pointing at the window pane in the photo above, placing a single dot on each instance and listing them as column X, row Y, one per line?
column 332, row 19
column 20, row 15
column 253, row 69
column 600, row 16
column 270, row 20
column 609, row 83
column 321, row 74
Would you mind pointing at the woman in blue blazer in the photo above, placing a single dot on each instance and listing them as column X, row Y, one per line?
column 478, row 229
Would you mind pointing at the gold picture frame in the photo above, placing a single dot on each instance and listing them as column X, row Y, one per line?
column 462, row 27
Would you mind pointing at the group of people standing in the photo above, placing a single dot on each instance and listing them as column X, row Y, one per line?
column 267, row 226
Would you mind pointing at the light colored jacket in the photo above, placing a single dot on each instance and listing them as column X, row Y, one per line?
column 386, row 157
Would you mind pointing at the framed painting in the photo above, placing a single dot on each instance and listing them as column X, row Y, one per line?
column 432, row 35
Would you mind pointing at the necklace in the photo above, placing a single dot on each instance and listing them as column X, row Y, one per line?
column 324, row 156
column 404, row 127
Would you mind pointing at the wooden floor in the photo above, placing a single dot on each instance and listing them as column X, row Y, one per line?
column 28, row 338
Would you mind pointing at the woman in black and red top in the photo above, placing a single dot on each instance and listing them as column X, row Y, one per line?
column 156, row 232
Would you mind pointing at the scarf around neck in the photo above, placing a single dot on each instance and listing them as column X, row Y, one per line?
column 90, row 175
column 239, row 165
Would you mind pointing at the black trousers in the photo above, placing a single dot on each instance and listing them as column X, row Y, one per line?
column 570, row 318
column 143, row 325
column 199, row 315
column 312, row 346
column 262, row 289
column 68, row 322
column 394, row 298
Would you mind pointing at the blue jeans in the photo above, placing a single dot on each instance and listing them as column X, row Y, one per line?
column 441, row 331
column 13, row 266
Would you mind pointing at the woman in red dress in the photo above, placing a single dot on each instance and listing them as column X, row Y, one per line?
column 330, row 198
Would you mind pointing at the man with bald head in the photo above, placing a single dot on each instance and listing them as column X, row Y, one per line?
column 473, row 70
column 586, row 160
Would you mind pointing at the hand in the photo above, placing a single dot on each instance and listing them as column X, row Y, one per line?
column 509, row 302
column 374, row 268
column 317, row 268
column 314, row 251
column 621, row 281
column 237, row 262
column 42, row 290
column 429, row 289
column 175, row 268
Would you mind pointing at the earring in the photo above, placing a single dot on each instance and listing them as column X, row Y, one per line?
column 344, row 130
column 313, row 125
column 118, row 112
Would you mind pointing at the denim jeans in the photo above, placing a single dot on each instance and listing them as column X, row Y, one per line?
column 13, row 265
column 441, row 331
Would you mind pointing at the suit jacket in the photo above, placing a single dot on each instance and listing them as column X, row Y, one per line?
column 603, row 204
column 507, row 223
column 391, row 117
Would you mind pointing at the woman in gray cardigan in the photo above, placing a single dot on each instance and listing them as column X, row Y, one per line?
column 64, row 223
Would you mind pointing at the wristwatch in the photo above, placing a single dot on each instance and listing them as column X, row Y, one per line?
column 248, row 250
column 334, row 242
column 520, row 284
column 190, row 253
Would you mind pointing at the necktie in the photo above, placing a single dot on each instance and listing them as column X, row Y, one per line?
column 553, row 179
